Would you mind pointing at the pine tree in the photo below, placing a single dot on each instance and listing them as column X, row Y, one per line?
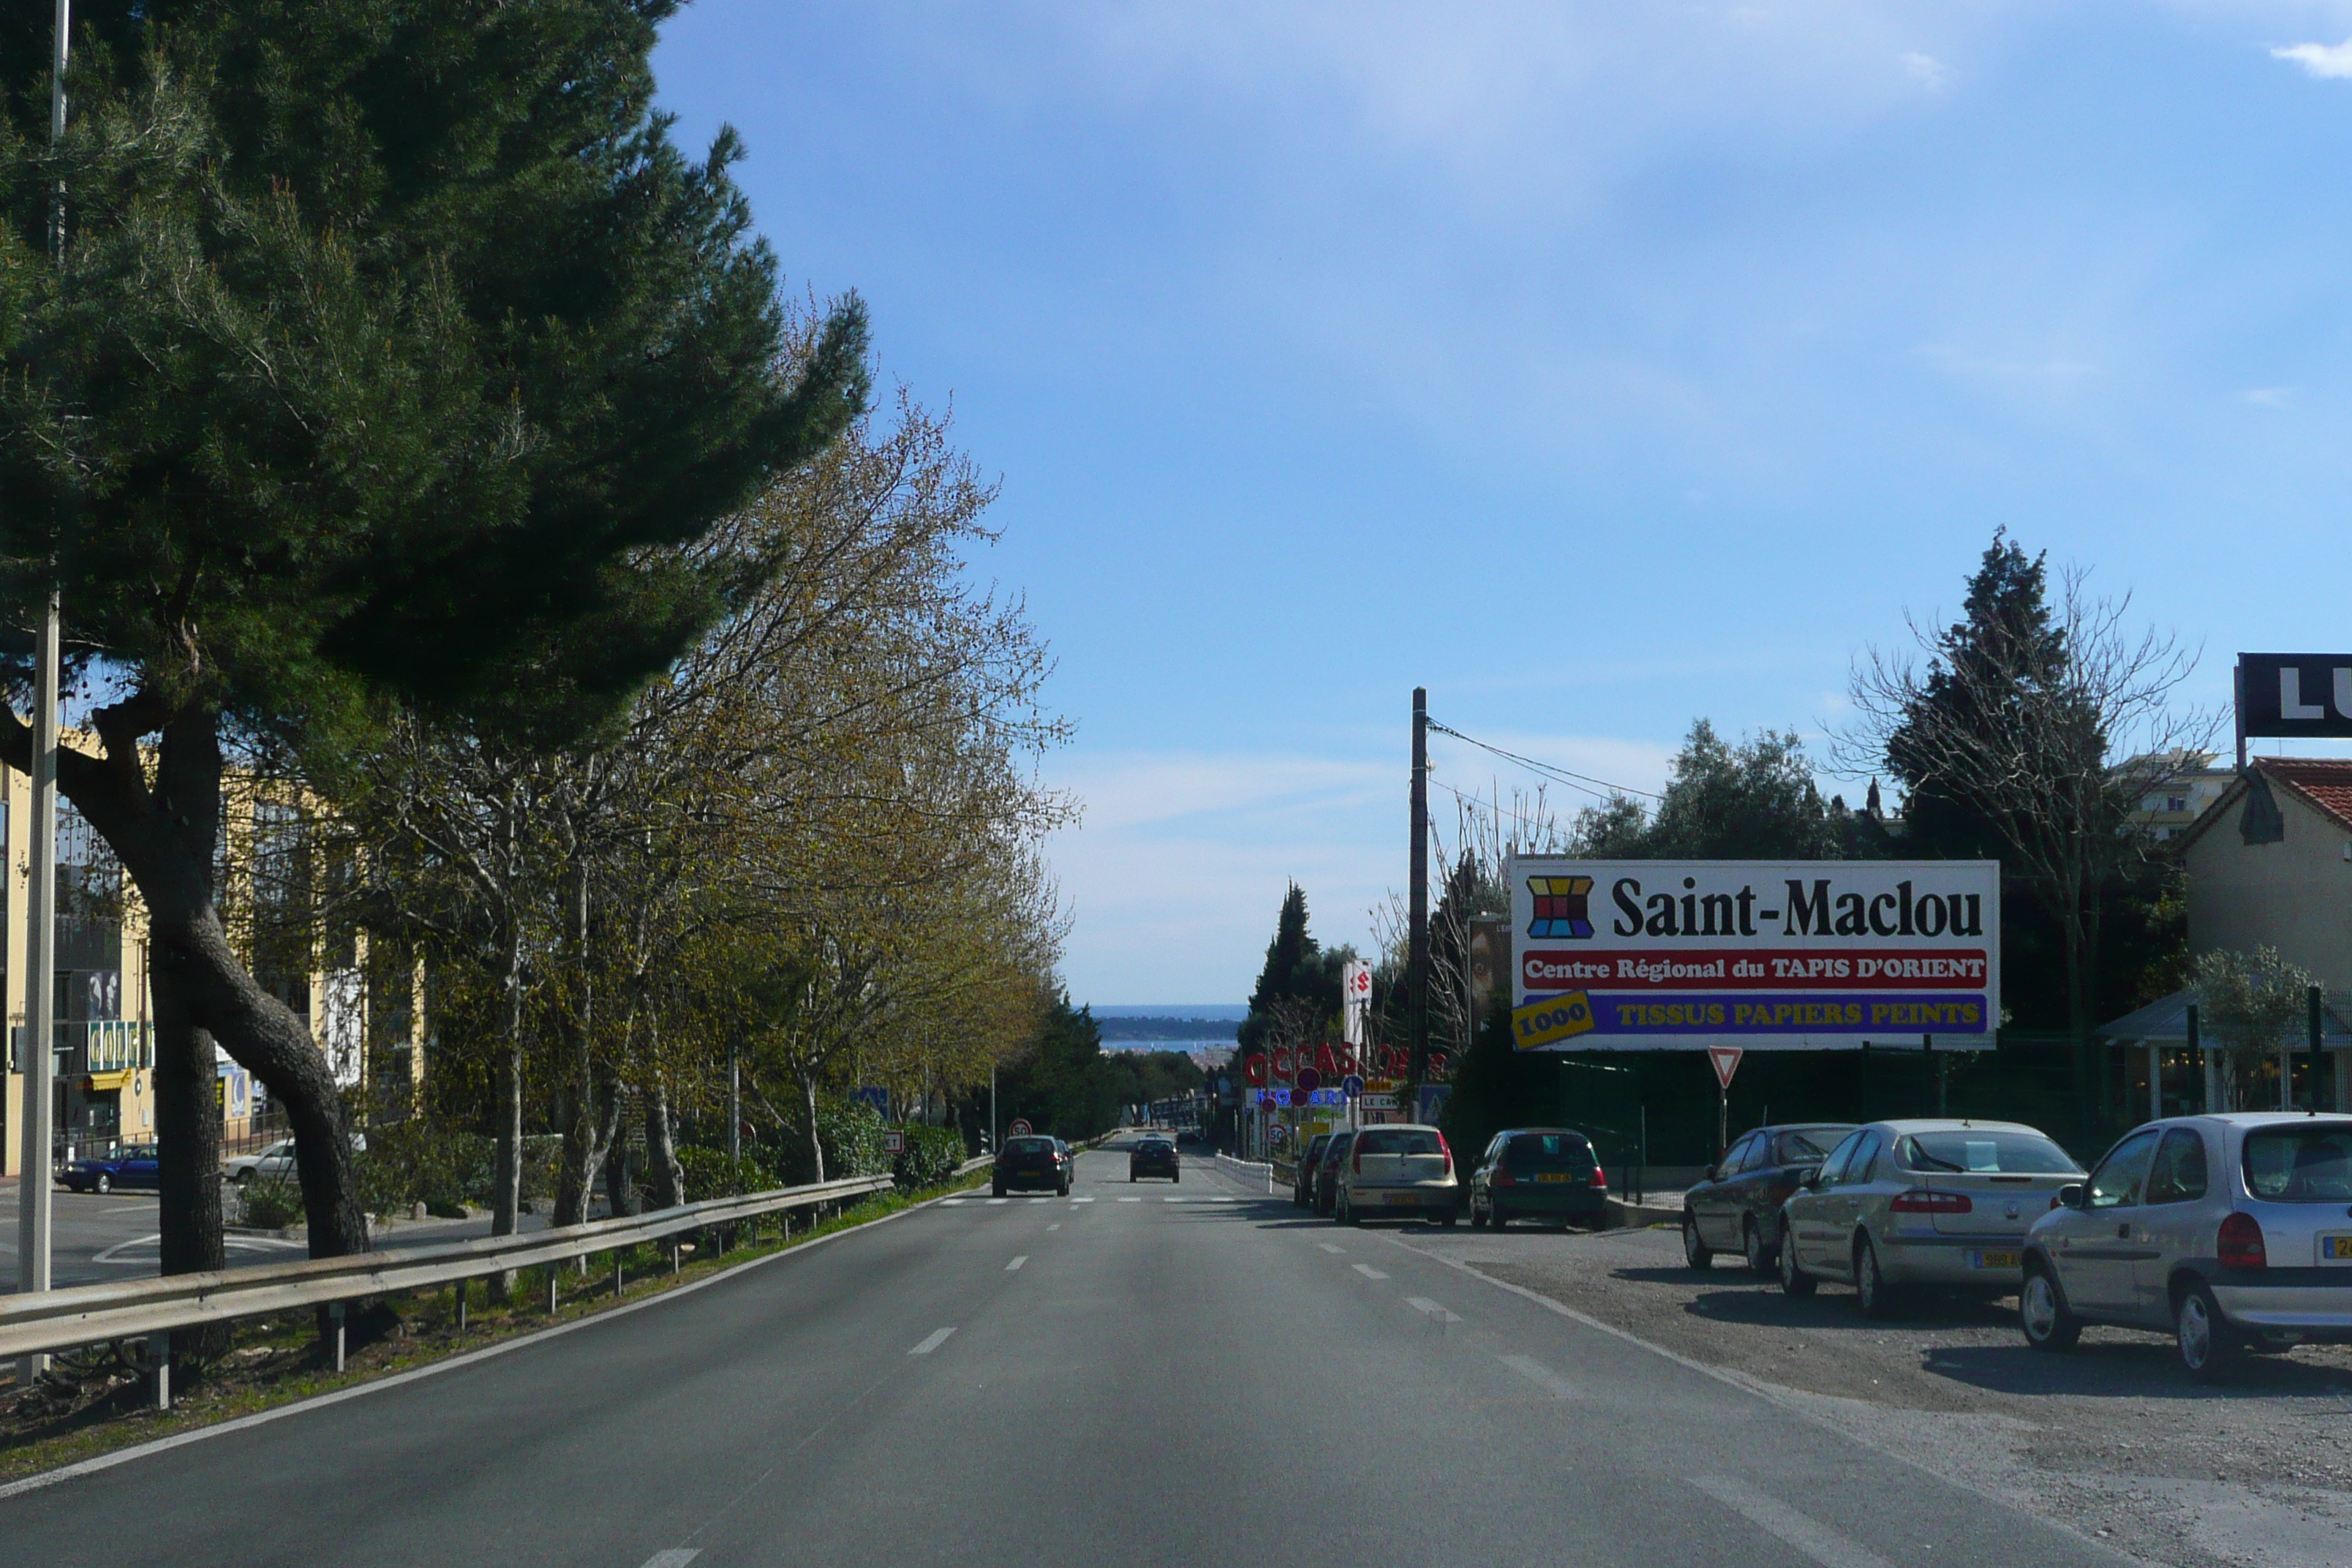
column 392, row 352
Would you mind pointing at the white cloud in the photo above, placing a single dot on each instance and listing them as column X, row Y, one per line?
column 2268, row 396
column 2319, row 60
column 1925, row 69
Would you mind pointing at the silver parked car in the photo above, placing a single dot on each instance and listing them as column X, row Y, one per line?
column 2229, row 1232
column 1401, row 1170
column 1942, row 1203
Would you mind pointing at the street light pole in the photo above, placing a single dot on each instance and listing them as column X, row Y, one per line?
column 33, row 1234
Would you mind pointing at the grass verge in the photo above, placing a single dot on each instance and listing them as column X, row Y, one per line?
column 96, row 1401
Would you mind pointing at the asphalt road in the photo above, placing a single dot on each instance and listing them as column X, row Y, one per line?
column 95, row 1239
column 1183, row 1375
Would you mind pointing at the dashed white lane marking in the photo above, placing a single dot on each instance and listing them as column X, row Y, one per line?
column 993, row 1202
column 951, row 1203
column 1769, row 1514
column 1334, row 1251
column 1056, row 1225
column 1542, row 1377
column 1130, row 1200
column 1430, row 1308
column 1082, row 1200
column 1014, row 1266
column 931, row 1342
column 676, row 1557
column 1368, row 1272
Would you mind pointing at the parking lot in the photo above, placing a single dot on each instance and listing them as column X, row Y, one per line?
column 2113, row 1438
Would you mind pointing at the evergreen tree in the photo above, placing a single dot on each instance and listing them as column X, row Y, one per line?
column 1298, row 982
column 392, row 351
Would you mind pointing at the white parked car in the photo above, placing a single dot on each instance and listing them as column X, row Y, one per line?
column 1396, row 1172
column 272, row 1163
column 2230, row 1233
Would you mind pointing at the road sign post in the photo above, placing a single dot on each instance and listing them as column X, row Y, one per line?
column 1727, row 1062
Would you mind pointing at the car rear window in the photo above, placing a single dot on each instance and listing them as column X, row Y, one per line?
column 1029, row 1146
column 1812, row 1143
column 1397, row 1141
column 1974, row 1149
column 1546, row 1151
column 2301, row 1163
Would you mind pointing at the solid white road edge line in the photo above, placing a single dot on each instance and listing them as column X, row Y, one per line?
column 414, row 1375
column 931, row 1342
column 1756, row 1389
column 1769, row 1514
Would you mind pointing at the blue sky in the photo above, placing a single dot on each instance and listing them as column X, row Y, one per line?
column 1596, row 366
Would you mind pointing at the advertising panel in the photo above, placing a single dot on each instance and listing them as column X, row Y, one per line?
column 1801, row 956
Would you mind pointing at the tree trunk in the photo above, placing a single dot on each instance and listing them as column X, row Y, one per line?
column 620, row 1182
column 816, row 1144
column 165, row 837
column 188, row 1138
column 662, row 1168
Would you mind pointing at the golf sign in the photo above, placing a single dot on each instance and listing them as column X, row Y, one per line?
column 1643, row 955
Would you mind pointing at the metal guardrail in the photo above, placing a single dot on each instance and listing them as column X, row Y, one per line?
column 132, row 1308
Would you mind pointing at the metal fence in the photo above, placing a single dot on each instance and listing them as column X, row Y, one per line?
column 152, row 1309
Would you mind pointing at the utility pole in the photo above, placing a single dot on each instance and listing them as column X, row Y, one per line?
column 33, row 1234
column 1417, row 939
column 991, row 1109
column 734, row 1096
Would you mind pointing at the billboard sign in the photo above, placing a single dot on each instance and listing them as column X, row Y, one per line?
column 2295, row 694
column 1798, row 955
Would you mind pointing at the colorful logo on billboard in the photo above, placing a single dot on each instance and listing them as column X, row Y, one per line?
column 1560, row 907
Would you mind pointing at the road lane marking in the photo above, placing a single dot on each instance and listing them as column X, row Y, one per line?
column 1130, row 1200
column 1809, row 1536
column 1014, row 1266
column 1368, row 1272
column 1056, row 1225
column 1334, row 1251
column 993, row 1202
column 931, row 1342
column 1428, row 1308
column 951, row 1203
column 1542, row 1377
column 1082, row 1200
column 676, row 1557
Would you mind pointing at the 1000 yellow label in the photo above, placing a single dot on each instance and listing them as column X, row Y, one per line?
column 1553, row 1018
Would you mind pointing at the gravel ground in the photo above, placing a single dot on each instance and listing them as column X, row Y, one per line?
column 2113, row 1441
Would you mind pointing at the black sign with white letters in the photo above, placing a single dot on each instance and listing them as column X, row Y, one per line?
column 2295, row 694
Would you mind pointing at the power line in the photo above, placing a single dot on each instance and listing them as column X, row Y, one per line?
column 1546, row 769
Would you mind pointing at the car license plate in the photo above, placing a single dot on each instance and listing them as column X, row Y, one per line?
column 1401, row 1198
column 1552, row 1176
column 1992, row 1260
column 2336, row 1249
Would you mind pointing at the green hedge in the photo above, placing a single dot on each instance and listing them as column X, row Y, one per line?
column 931, row 1156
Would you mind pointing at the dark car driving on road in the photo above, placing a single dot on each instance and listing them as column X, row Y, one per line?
column 1738, row 1207
column 132, row 1165
column 1326, row 1171
column 1302, row 1190
column 1153, row 1157
column 1548, row 1174
column 1031, row 1164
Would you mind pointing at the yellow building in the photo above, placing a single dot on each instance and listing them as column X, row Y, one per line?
column 367, row 1013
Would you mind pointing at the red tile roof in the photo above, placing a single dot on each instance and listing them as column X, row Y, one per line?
column 2323, row 782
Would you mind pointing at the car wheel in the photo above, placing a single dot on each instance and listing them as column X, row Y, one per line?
column 1447, row 1219
column 244, row 1177
column 1348, row 1214
column 1871, row 1291
column 1695, row 1253
column 103, row 1185
column 1794, row 1280
column 997, row 1191
column 2208, row 1348
column 1495, row 1217
column 1477, row 1219
column 2043, row 1314
column 1131, row 1178
column 1174, row 1177
column 1759, row 1256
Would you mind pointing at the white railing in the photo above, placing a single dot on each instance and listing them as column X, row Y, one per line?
column 1253, row 1169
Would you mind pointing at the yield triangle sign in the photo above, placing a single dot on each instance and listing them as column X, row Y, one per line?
column 1727, row 1062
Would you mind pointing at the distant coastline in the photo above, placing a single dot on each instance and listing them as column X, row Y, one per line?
column 1199, row 1028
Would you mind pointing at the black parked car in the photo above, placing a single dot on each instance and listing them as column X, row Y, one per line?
column 1548, row 1174
column 1032, row 1163
column 1326, row 1171
column 1302, row 1191
column 1738, row 1207
column 1153, row 1157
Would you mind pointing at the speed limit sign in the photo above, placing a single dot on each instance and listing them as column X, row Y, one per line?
column 1019, row 1128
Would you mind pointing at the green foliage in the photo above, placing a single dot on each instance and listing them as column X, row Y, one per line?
column 1299, row 986
column 1063, row 1085
column 271, row 1204
column 2252, row 1001
column 930, row 1157
column 423, row 1160
column 1138, row 1078
column 710, row 1174
column 851, row 1133
column 1753, row 801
